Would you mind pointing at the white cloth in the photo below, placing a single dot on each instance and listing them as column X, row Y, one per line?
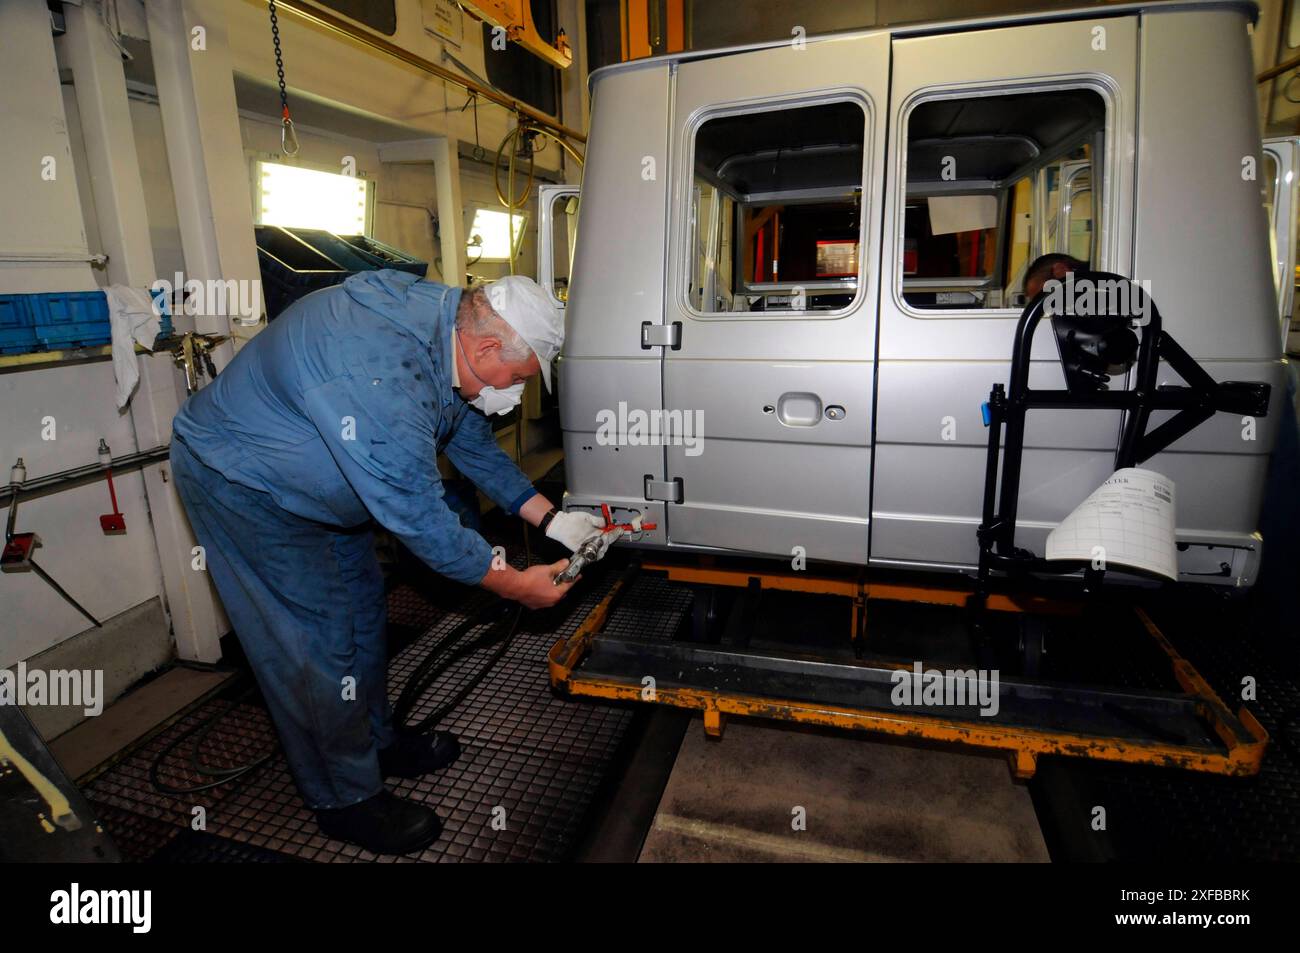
column 133, row 321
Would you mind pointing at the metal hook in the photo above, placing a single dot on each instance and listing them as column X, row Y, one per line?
column 288, row 138
column 288, row 135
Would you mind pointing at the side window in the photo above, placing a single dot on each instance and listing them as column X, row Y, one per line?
column 1078, row 222
column 994, row 181
column 776, row 210
column 564, row 235
column 1270, row 186
column 1270, row 192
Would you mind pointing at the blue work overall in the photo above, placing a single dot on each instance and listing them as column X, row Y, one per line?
column 330, row 419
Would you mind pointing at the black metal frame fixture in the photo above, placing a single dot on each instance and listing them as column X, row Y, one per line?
column 1086, row 344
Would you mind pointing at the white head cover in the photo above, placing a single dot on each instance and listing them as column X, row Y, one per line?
column 524, row 306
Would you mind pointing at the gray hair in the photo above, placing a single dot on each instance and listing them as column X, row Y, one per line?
column 475, row 315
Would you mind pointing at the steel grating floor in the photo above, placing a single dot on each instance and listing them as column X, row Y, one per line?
column 544, row 759
column 540, row 757
column 1163, row 814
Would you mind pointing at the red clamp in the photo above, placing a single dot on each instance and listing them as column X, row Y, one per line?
column 114, row 523
column 625, row 527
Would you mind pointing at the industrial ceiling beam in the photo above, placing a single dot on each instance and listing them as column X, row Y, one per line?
column 336, row 24
column 516, row 18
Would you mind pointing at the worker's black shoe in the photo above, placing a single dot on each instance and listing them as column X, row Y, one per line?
column 413, row 754
column 383, row 824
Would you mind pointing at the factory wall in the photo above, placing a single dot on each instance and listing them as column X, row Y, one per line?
column 160, row 200
column 55, row 416
column 107, row 574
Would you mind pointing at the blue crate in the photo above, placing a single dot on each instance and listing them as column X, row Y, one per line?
column 17, row 334
column 163, row 307
column 342, row 253
column 72, row 319
column 297, row 261
column 51, row 322
column 386, row 256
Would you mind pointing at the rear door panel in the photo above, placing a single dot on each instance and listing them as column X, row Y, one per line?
column 776, row 472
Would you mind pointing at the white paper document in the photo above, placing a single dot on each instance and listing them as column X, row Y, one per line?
column 1126, row 522
column 962, row 213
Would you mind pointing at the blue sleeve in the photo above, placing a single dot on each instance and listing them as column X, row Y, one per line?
column 388, row 454
column 477, row 454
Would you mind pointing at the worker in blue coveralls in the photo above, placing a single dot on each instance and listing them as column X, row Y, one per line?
column 330, row 421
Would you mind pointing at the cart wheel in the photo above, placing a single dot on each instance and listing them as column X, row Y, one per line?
column 1033, row 644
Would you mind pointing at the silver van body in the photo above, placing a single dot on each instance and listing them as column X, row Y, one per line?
column 839, row 397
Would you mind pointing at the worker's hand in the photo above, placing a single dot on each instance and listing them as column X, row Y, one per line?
column 607, row 539
column 574, row 528
column 535, row 587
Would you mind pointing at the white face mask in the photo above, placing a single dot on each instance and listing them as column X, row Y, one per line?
column 493, row 401
column 490, row 400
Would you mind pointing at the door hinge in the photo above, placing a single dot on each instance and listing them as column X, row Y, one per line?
column 665, row 491
column 661, row 335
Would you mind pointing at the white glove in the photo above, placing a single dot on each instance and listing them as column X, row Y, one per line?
column 608, row 539
column 574, row 528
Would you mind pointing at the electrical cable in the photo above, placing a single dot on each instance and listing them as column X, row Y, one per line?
column 114, row 27
column 498, row 633
column 199, row 732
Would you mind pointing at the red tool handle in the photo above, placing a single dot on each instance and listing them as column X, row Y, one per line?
column 112, row 493
column 625, row 527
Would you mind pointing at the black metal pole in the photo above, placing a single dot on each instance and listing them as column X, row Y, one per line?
column 64, row 478
column 63, row 592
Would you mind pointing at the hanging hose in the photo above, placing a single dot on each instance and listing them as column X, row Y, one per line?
column 520, row 129
column 564, row 143
column 507, row 197
column 509, row 139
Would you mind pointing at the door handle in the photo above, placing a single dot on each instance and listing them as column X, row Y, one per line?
column 799, row 409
